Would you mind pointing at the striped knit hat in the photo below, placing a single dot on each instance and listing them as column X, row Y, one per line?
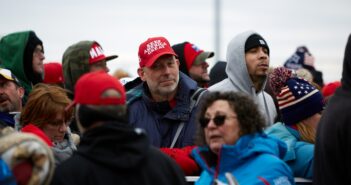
column 297, row 99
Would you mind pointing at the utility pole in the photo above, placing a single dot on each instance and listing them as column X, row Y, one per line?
column 217, row 30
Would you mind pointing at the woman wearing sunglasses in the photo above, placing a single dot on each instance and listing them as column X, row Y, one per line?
column 232, row 146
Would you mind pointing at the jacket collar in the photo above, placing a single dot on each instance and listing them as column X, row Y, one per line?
column 186, row 87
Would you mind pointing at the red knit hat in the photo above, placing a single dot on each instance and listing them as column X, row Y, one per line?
column 90, row 87
column 152, row 49
column 53, row 73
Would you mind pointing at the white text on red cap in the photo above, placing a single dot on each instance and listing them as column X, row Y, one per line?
column 154, row 46
column 96, row 52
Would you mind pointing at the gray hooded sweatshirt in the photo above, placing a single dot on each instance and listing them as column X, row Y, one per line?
column 239, row 78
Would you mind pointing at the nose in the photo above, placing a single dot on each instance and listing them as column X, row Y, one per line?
column 106, row 69
column 262, row 53
column 211, row 124
column 63, row 127
column 166, row 69
column 42, row 55
column 205, row 65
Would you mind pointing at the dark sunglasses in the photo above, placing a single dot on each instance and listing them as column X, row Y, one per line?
column 217, row 120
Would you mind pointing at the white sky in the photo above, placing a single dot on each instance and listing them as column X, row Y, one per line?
column 121, row 25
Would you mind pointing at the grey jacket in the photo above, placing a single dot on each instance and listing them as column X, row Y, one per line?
column 239, row 79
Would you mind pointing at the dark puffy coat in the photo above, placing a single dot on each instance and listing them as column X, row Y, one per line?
column 159, row 120
column 332, row 148
column 115, row 153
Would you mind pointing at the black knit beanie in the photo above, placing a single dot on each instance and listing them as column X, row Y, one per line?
column 254, row 41
column 32, row 42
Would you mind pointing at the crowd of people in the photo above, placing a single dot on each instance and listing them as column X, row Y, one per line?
column 243, row 122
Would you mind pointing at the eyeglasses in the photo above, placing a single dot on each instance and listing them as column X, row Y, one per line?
column 218, row 120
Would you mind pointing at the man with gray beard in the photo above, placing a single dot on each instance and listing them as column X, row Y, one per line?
column 11, row 93
column 165, row 103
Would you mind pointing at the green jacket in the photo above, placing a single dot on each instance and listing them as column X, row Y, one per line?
column 16, row 54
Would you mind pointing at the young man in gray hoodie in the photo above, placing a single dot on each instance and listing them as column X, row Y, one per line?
column 247, row 70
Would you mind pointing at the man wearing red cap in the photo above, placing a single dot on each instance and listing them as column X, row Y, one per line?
column 111, row 151
column 164, row 104
column 193, row 62
column 81, row 58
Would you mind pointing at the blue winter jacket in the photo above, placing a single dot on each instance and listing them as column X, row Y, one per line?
column 254, row 159
column 299, row 155
column 158, row 119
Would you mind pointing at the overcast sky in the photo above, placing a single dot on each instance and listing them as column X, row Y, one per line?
column 120, row 26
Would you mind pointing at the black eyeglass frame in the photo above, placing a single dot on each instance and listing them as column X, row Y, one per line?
column 218, row 120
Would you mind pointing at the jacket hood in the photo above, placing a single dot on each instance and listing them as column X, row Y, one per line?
column 246, row 147
column 179, row 50
column 16, row 51
column 346, row 73
column 116, row 145
column 236, row 64
column 75, row 62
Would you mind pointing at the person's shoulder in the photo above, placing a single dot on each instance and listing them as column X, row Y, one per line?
column 276, row 128
column 156, row 153
column 267, row 95
column 69, row 164
column 223, row 85
column 170, row 170
column 66, row 171
column 274, row 162
column 161, row 158
column 134, row 94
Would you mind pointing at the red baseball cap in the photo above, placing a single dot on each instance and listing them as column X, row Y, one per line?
column 152, row 49
column 194, row 54
column 90, row 88
column 53, row 73
column 96, row 54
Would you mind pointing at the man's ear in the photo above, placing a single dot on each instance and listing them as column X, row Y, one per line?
column 20, row 91
column 141, row 74
column 178, row 63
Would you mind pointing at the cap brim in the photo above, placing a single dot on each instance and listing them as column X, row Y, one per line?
column 203, row 56
column 154, row 58
column 111, row 57
column 7, row 77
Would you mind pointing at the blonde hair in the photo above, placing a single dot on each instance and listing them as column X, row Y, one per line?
column 307, row 133
column 44, row 103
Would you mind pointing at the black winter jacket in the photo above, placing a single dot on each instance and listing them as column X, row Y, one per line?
column 115, row 153
column 332, row 160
